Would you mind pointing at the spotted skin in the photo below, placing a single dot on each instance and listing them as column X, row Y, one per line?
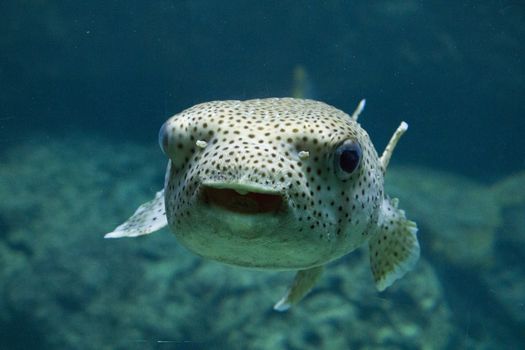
column 260, row 184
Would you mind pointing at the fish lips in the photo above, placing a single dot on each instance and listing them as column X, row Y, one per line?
column 249, row 199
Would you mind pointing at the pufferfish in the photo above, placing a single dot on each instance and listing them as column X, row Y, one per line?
column 279, row 184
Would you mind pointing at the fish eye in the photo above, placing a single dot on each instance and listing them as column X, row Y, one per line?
column 163, row 138
column 347, row 158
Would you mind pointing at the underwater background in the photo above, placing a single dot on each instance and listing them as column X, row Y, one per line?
column 85, row 87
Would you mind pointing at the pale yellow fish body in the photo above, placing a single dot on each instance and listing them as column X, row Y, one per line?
column 280, row 183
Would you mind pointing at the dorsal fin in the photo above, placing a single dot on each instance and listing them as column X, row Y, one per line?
column 358, row 109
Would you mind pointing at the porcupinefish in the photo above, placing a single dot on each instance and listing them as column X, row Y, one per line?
column 280, row 184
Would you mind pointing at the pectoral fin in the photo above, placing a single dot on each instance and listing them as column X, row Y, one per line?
column 304, row 281
column 148, row 218
column 394, row 249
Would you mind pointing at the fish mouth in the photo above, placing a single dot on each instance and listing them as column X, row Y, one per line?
column 242, row 199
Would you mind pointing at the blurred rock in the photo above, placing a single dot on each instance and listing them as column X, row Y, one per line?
column 476, row 234
column 506, row 279
column 510, row 193
column 457, row 217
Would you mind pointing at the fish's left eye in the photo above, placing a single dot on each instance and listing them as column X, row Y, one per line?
column 347, row 158
column 163, row 139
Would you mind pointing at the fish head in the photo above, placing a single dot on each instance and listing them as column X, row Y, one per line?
column 276, row 183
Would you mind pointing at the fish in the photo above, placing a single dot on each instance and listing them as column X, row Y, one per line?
column 278, row 184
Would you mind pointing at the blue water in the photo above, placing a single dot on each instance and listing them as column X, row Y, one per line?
column 85, row 86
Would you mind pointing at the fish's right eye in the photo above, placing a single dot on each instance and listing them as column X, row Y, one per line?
column 163, row 138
